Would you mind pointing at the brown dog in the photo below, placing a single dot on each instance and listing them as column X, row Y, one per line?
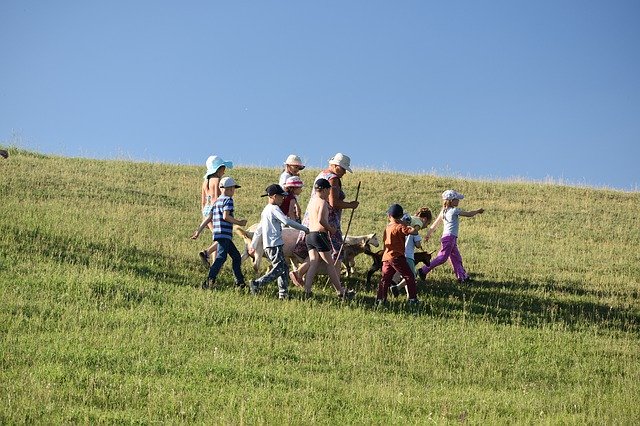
column 419, row 256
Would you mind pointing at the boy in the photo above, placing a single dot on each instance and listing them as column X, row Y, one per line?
column 393, row 258
column 221, row 216
column 271, row 221
column 318, row 243
column 422, row 218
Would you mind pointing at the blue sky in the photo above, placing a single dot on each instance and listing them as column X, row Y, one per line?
column 538, row 90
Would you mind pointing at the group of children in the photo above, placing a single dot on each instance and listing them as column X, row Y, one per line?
column 400, row 236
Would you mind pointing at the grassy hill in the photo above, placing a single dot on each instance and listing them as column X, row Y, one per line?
column 102, row 318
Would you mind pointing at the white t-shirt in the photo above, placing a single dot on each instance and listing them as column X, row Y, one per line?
column 410, row 245
column 451, row 220
column 271, row 221
column 283, row 178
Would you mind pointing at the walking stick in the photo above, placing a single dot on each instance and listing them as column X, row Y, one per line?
column 344, row 237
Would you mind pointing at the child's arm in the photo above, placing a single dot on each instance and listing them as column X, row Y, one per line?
column 290, row 222
column 434, row 225
column 471, row 213
column 204, row 223
column 227, row 217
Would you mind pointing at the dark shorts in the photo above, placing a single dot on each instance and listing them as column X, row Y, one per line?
column 318, row 241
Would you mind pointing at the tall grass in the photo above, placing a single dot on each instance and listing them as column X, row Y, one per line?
column 102, row 318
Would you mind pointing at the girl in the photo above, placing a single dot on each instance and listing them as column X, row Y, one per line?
column 210, row 192
column 292, row 166
column 449, row 215
column 290, row 206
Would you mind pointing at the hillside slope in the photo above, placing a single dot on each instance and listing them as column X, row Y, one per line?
column 102, row 318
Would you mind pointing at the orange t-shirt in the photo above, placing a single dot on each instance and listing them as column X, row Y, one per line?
column 394, row 238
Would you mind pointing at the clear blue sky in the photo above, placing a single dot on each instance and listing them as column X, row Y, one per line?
column 485, row 89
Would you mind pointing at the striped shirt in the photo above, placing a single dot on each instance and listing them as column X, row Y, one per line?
column 222, row 228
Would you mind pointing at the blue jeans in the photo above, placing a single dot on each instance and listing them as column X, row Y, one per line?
column 226, row 247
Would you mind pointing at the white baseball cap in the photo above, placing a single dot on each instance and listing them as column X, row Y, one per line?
column 228, row 182
column 450, row 194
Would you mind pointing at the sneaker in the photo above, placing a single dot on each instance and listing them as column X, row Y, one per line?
column 208, row 283
column 413, row 302
column 204, row 258
column 348, row 294
column 379, row 303
column 395, row 290
column 422, row 274
column 241, row 285
column 253, row 287
column 293, row 276
column 284, row 296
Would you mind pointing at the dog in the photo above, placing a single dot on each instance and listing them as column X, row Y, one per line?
column 419, row 257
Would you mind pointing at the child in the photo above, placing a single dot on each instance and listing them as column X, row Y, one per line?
column 393, row 258
column 221, row 216
column 449, row 215
column 290, row 206
column 422, row 218
column 271, row 222
column 209, row 193
column 317, row 240
column 292, row 166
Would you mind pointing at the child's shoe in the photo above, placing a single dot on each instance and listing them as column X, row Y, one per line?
column 422, row 274
column 380, row 304
column 293, row 276
column 283, row 296
column 253, row 287
column 208, row 283
column 413, row 302
column 204, row 258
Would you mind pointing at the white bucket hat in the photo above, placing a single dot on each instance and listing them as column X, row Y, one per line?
column 214, row 163
column 294, row 160
column 342, row 160
column 450, row 194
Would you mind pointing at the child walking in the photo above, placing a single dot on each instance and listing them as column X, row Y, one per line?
column 450, row 217
column 421, row 219
column 393, row 257
column 318, row 243
column 221, row 216
column 290, row 206
column 271, row 221
column 209, row 193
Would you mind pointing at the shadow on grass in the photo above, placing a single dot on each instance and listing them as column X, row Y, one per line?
column 112, row 256
column 527, row 304
column 524, row 303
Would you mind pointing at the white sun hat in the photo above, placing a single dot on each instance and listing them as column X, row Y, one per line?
column 342, row 160
column 294, row 160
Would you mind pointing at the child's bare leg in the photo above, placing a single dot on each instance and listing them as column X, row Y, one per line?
column 311, row 270
column 332, row 270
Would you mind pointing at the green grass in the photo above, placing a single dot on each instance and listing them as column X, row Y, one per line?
column 102, row 319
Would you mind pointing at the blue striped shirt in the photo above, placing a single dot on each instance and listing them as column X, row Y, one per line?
column 222, row 228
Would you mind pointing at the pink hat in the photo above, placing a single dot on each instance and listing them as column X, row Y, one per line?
column 293, row 181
